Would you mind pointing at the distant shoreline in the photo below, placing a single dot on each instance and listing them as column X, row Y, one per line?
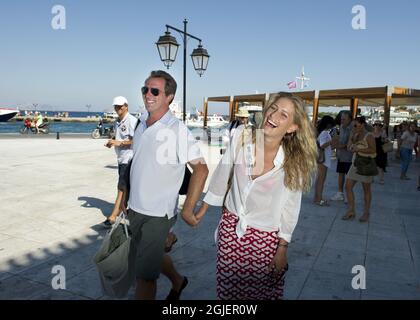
column 65, row 119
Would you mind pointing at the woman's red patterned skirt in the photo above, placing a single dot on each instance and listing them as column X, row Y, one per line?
column 242, row 263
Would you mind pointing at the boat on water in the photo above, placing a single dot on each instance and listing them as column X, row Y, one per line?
column 214, row 121
column 110, row 115
column 197, row 121
column 7, row 113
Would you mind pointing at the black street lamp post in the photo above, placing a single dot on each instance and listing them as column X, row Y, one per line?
column 168, row 48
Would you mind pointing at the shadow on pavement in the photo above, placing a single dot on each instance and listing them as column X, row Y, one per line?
column 90, row 202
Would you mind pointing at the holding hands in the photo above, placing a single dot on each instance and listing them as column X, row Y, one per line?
column 193, row 219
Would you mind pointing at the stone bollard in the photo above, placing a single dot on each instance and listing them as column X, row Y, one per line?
column 58, row 135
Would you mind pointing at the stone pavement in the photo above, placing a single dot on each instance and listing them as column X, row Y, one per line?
column 55, row 193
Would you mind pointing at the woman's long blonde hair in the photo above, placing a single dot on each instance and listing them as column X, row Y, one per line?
column 299, row 147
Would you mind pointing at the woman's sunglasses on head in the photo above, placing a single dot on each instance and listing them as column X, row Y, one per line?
column 154, row 91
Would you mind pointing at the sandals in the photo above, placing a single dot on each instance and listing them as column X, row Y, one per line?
column 322, row 203
column 364, row 218
column 174, row 295
column 349, row 216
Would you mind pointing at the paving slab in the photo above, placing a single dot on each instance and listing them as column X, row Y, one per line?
column 17, row 288
column 388, row 267
column 386, row 290
column 322, row 285
column 340, row 261
column 344, row 240
column 294, row 281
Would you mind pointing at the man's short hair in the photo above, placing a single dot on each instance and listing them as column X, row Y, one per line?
column 340, row 115
column 170, row 83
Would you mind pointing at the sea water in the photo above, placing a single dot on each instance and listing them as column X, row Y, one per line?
column 62, row 127
column 13, row 126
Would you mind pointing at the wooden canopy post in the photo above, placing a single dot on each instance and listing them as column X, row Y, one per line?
column 354, row 105
column 266, row 98
column 315, row 107
column 236, row 108
column 387, row 106
column 206, row 105
column 231, row 113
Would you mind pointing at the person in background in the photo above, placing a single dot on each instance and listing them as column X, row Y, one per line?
column 401, row 129
column 124, row 131
column 242, row 118
column 417, row 146
column 344, row 156
column 325, row 142
column 381, row 156
column 38, row 120
column 395, row 131
column 418, row 167
column 406, row 146
column 363, row 142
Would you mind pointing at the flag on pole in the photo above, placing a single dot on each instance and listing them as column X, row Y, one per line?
column 292, row 85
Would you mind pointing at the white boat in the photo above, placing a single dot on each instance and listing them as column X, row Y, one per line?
column 213, row 121
column 110, row 115
column 7, row 113
column 251, row 108
column 396, row 117
column 177, row 111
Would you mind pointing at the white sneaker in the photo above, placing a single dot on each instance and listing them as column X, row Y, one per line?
column 339, row 196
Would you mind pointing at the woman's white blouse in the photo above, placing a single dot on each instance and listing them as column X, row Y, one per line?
column 264, row 203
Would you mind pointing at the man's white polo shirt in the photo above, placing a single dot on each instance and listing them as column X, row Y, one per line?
column 124, row 130
column 157, row 171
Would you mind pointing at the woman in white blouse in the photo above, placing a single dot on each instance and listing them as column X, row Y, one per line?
column 259, row 182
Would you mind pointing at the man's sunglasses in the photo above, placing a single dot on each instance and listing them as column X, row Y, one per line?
column 154, row 91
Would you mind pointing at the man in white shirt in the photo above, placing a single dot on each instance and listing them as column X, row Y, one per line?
column 124, row 131
column 162, row 147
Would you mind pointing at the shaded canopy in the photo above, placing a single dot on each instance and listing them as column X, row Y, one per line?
column 353, row 98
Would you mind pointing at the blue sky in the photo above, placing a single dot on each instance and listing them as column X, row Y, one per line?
column 108, row 48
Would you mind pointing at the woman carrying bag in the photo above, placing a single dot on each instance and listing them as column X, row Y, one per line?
column 363, row 169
